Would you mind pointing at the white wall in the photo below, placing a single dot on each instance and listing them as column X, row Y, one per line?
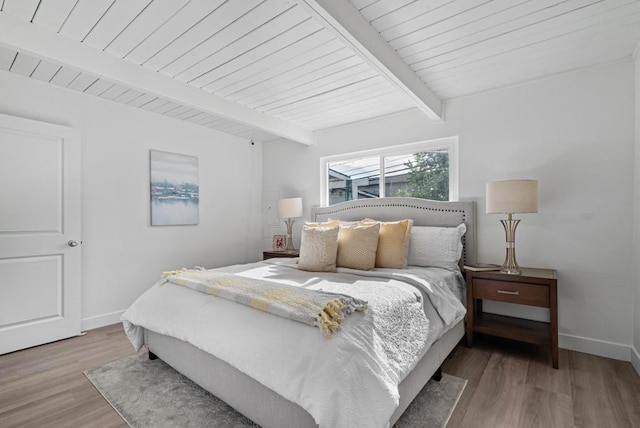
column 574, row 133
column 122, row 254
column 636, row 218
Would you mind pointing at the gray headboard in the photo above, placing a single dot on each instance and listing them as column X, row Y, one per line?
column 424, row 212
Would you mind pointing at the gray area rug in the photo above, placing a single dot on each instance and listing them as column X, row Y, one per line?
column 152, row 394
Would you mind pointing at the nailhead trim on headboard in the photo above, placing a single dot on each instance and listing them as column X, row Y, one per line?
column 389, row 205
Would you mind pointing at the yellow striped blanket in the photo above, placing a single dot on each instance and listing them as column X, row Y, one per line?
column 313, row 307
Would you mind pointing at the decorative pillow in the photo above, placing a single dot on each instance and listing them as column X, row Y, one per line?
column 436, row 246
column 330, row 223
column 343, row 222
column 357, row 246
column 393, row 244
column 318, row 249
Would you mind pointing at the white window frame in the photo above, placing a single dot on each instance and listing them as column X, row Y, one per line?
column 447, row 143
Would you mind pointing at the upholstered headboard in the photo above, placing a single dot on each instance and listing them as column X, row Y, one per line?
column 424, row 212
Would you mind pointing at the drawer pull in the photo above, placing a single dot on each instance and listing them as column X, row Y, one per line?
column 511, row 293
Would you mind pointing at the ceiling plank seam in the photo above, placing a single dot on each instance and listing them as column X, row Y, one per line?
column 344, row 20
column 45, row 44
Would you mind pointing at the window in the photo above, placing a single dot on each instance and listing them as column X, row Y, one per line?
column 420, row 170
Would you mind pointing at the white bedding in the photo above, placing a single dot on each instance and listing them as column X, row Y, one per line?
column 350, row 380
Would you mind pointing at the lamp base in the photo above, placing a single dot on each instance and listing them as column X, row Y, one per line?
column 511, row 270
column 510, row 265
column 289, row 248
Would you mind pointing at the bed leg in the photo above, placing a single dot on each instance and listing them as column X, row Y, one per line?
column 152, row 356
column 437, row 376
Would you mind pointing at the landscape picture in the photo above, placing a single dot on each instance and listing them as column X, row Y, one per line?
column 174, row 189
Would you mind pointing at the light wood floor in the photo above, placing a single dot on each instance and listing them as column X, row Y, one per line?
column 510, row 385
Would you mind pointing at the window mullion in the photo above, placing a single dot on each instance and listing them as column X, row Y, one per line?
column 381, row 181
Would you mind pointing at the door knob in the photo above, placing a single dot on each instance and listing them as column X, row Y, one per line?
column 73, row 243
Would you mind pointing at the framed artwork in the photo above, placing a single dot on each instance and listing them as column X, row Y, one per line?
column 175, row 194
column 279, row 242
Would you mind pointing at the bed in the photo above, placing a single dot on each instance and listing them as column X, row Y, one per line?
column 241, row 385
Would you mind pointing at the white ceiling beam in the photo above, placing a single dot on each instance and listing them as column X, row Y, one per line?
column 343, row 19
column 49, row 45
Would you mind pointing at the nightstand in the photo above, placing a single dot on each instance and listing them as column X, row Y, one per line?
column 279, row 254
column 535, row 287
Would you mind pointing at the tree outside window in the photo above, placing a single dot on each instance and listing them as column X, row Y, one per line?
column 426, row 175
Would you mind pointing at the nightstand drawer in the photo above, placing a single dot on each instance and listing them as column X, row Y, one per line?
column 511, row 292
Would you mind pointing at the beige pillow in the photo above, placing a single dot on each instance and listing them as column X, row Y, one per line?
column 318, row 249
column 330, row 223
column 357, row 246
column 344, row 223
column 393, row 245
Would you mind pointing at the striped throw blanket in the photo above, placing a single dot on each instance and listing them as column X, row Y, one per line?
column 313, row 307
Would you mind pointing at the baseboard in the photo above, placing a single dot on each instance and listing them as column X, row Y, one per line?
column 601, row 348
column 635, row 359
column 101, row 320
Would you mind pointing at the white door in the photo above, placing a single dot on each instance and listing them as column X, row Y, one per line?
column 39, row 229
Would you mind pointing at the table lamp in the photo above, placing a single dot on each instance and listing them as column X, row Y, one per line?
column 289, row 208
column 510, row 197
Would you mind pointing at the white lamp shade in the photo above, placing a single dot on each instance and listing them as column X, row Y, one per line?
column 290, row 208
column 512, row 196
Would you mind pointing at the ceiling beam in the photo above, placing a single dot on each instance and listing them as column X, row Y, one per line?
column 51, row 46
column 344, row 20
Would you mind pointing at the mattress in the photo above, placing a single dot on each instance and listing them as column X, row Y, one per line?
column 266, row 407
column 295, row 361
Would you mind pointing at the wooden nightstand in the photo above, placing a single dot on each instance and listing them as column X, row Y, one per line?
column 535, row 287
column 279, row 254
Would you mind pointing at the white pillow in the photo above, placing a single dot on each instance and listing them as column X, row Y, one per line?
column 318, row 249
column 436, row 246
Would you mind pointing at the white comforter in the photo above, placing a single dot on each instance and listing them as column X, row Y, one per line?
column 350, row 380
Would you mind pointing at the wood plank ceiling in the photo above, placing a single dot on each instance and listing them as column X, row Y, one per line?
column 264, row 69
